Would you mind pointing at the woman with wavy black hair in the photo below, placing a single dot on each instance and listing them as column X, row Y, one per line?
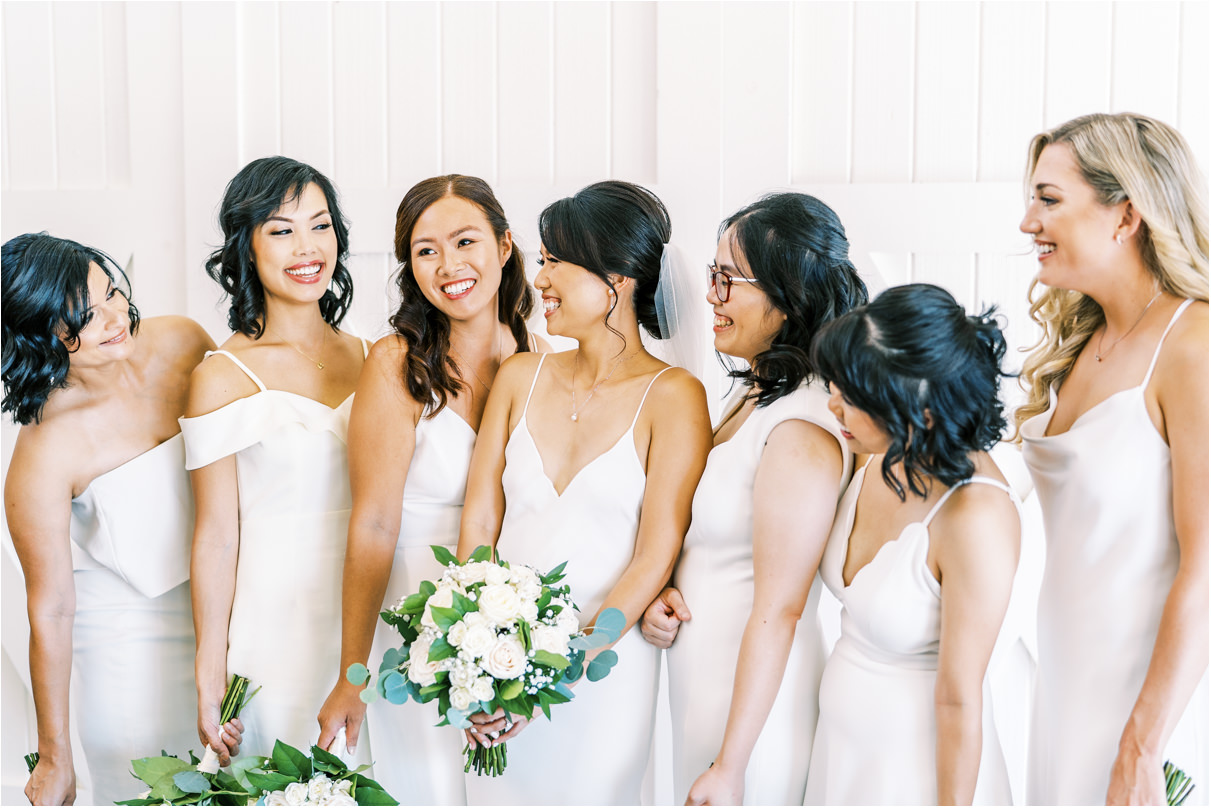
column 590, row 456
column 464, row 300
column 745, row 670
column 100, row 515
column 923, row 563
column 265, row 441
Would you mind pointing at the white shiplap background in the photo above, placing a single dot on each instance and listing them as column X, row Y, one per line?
column 123, row 121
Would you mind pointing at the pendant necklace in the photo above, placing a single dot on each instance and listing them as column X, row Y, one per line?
column 470, row 367
column 1099, row 354
column 575, row 364
column 323, row 341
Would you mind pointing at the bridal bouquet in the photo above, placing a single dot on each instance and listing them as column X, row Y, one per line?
column 487, row 636
column 1178, row 785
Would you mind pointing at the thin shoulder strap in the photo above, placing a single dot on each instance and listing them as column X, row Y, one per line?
column 365, row 348
column 529, row 395
column 978, row 480
column 241, row 366
column 635, row 420
column 1157, row 354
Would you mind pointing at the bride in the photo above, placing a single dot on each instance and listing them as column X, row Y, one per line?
column 590, row 456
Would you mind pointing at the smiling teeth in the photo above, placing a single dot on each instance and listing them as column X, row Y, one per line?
column 721, row 321
column 549, row 305
column 458, row 288
column 1046, row 249
column 305, row 272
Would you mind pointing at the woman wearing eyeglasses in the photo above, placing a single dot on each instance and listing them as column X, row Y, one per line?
column 744, row 669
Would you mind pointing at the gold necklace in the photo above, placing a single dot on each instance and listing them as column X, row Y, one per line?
column 575, row 364
column 499, row 347
column 1099, row 355
column 323, row 342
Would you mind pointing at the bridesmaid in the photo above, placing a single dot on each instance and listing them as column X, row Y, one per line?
column 921, row 556
column 265, row 441
column 464, row 300
column 100, row 510
column 593, row 460
column 744, row 672
column 1115, row 435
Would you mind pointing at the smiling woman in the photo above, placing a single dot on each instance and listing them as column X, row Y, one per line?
column 265, row 441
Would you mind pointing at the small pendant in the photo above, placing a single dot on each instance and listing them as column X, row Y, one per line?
column 574, row 417
column 319, row 365
column 1098, row 358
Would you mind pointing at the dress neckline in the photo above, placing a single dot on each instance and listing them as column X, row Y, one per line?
column 137, row 458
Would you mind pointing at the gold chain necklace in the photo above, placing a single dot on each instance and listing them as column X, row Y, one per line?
column 471, row 367
column 323, row 342
column 1099, row 354
column 576, row 364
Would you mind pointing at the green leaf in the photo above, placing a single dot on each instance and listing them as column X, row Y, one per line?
column 611, row 621
column 415, row 602
column 575, row 667
column 393, row 658
column 137, row 801
column 240, row 766
column 358, row 674
column 458, row 718
column 443, row 555
column 440, row 649
column 151, row 769
column 370, row 694
column 511, row 689
column 330, row 763
column 191, row 782
column 427, row 588
column 165, row 789
column 551, row 660
column 436, row 687
column 270, row 781
column 373, row 796
column 555, row 575
column 600, row 666
column 564, row 691
column 463, row 604
column 288, row 760
column 444, row 617
column 481, row 553
column 395, row 688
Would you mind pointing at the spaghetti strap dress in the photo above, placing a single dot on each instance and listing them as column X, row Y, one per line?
column 877, row 737
column 132, row 680
column 285, row 629
column 1106, row 490
column 595, row 749
column 715, row 576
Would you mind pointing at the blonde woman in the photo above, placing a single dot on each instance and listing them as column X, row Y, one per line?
column 1115, row 435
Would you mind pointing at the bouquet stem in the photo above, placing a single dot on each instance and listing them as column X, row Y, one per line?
column 1178, row 784
column 487, row 760
column 233, row 701
column 31, row 760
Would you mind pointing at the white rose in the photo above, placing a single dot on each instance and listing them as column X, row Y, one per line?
column 319, row 787
column 495, row 574
column 567, row 620
column 528, row 611
column 482, row 689
column 478, row 640
column 549, row 638
column 339, row 798
column 507, row 659
column 456, row 634
column 276, row 798
column 473, row 619
column 344, row 786
column 420, row 669
column 461, row 698
column 462, row 676
column 444, row 596
column 499, row 604
column 473, row 572
column 296, row 794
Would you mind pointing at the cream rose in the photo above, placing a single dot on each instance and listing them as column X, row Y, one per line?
column 478, row 640
column 528, row 610
column 482, row 689
column 319, row 787
column 461, row 698
column 339, row 798
column 456, row 633
column 463, row 676
column 444, row 597
column 549, row 638
column 507, row 659
column 420, row 669
column 496, row 575
column 499, row 604
column 296, row 794
column 276, row 798
column 473, row 572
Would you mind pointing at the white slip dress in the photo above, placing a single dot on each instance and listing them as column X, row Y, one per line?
column 132, row 680
column 1106, row 490
column 715, row 576
column 416, row 762
column 877, row 737
column 595, row 749
column 285, row 629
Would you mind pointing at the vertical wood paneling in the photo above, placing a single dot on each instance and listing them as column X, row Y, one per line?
column 1005, row 279
column 883, row 91
column 374, row 298
column 582, row 94
column 79, row 95
column 1194, row 113
column 633, row 91
column 1011, row 86
column 307, row 71
column 1147, row 51
column 413, row 93
column 469, row 89
column 260, row 96
column 894, row 268
column 947, row 78
column 954, row 272
column 821, row 91
column 753, row 103
column 359, row 58
column 525, row 42
column 117, row 103
column 29, row 93
column 1078, row 60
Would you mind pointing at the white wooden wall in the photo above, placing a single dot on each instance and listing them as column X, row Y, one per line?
column 122, row 122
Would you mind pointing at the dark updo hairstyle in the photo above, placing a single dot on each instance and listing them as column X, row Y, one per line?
column 261, row 189
column 914, row 349
column 612, row 227
column 431, row 374
column 796, row 248
column 46, row 306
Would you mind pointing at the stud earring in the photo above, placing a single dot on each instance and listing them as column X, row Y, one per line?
column 1119, row 239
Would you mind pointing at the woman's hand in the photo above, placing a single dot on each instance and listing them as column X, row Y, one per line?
column 343, row 708
column 718, row 785
column 489, row 730
column 52, row 782
column 223, row 740
column 1136, row 779
column 663, row 618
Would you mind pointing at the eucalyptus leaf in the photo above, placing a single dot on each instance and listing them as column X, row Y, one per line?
column 600, row 666
column 443, row 555
column 395, row 688
column 358, row 674
column 151, row 769
column 393, row 658
column 611, row 621
column 458, row 718
column 369, row 695
column 191, row 782
column 575, row 668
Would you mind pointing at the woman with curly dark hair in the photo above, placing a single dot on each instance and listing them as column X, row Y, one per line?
column 464, row 300
column 265, row 442
column 745, row 668
column 922, row 563
column 99, row 508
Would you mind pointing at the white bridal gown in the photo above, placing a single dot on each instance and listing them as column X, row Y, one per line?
column 132, row 643
column 1106, row 490
column 285, row 630
column 876, row 740
column 715, row 575
column 595, row 749
column 417, row 762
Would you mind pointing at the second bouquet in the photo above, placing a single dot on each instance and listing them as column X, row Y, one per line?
column 488, row 636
